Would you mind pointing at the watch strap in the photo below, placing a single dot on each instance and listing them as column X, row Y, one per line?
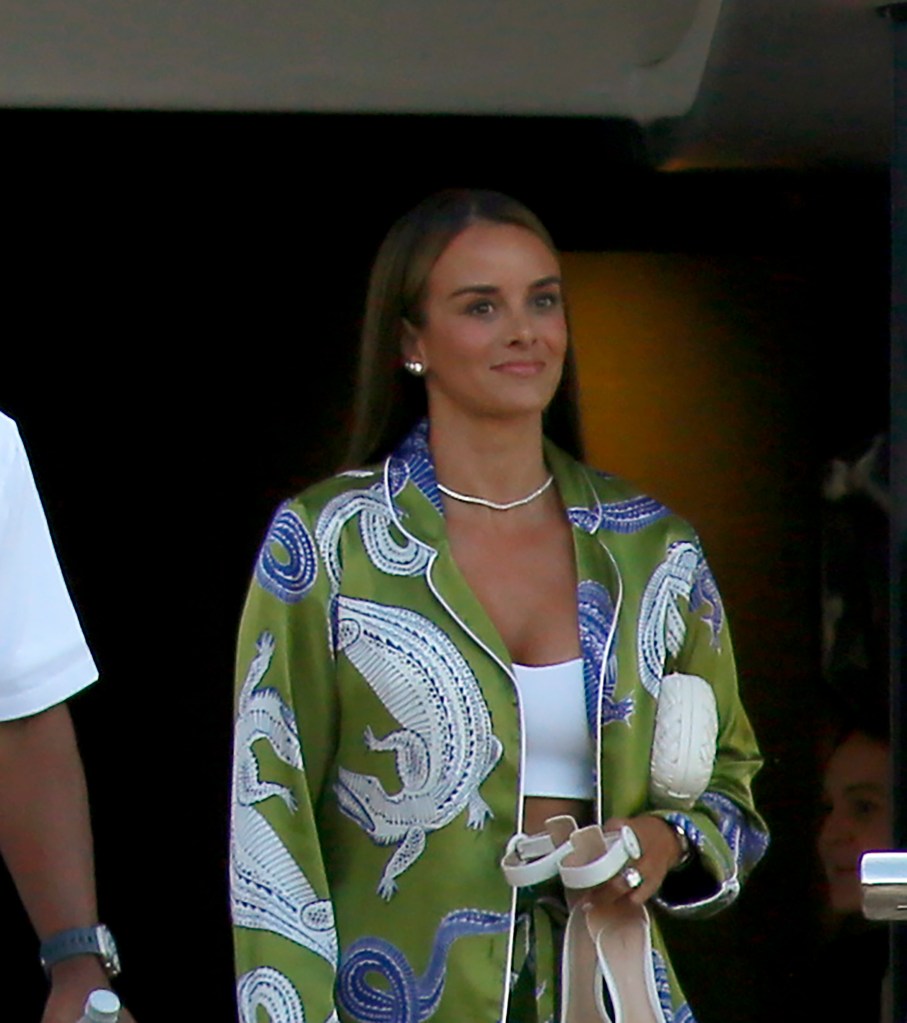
column 78, row 941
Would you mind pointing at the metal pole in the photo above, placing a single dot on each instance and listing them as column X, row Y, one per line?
column 898, row 15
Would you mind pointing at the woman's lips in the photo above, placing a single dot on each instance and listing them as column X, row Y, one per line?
column 525, row 368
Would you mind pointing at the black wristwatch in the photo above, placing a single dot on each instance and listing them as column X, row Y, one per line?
column 80, row 941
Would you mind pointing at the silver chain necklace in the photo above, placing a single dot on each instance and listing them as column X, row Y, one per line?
column 493, row 505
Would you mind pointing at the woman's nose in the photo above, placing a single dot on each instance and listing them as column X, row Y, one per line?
column 521, row 328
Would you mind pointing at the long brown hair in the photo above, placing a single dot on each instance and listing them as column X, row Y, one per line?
column 389, row 400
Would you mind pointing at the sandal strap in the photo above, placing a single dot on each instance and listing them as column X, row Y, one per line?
column 621, row 847
column 531, row 859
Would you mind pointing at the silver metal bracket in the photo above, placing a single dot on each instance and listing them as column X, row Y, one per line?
column 883, row 879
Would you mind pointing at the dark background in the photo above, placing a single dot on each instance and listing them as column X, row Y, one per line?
column 183, row 294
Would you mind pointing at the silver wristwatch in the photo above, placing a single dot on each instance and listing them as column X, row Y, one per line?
column 686, row 850
column 80, row 941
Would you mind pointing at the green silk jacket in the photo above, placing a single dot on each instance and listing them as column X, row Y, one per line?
column 378, row 753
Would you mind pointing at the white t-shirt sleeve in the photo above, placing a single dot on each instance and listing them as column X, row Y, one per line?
column 43, row 655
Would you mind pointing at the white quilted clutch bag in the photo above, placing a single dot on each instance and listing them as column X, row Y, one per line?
column 683, row 750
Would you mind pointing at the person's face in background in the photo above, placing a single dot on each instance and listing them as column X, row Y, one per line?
column 857, row 806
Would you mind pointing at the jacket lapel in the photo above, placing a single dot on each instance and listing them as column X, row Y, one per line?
column 413, row 498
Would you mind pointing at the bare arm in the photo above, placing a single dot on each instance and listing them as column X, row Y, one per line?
column 45, row 839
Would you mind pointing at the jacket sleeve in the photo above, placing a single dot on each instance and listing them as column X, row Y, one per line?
column 727, row 836
column 284, row 934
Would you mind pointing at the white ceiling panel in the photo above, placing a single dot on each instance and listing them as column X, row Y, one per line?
column 782, row 81
column 639, row 58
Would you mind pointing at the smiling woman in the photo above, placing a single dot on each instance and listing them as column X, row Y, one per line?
column 857, row 818
column 492, row 334
column 389, row 401
column 452, row 660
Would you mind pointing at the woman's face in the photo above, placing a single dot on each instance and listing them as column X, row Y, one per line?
column 493, row 334
column 858, row 816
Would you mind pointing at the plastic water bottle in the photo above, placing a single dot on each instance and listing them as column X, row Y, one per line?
column 102, row 1007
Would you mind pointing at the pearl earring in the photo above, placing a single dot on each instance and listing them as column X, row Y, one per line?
column 415, row 367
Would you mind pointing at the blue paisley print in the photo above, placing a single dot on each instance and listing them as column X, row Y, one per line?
column 586, row 519
column 412, row 461
column 704, row 595
column 684, row 1014
column 747, row 844
column 596, row 620
column 289, row 573
column 663, row 987
column 632, row 515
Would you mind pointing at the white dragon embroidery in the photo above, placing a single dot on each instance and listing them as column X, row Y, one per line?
column 445, row 747
column 268, row 890
column 683, row 575
column 406, row 558
column 269, row 989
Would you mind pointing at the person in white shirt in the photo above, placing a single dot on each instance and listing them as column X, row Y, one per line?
column 45, row 832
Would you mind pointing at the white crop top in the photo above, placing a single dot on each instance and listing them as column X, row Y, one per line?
column 559, row 752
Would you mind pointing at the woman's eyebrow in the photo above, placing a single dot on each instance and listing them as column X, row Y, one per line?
column 493, row 289
column 865, row 788
column 475, row 289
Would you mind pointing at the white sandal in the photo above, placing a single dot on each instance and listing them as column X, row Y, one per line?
column 530, row 859
column 595, row 856
column 622, row 939
column 607, row 971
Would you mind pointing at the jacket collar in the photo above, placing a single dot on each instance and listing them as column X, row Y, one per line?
column 411, row 487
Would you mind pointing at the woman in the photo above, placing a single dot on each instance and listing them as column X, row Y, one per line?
column 856, row 819
column 380, row 767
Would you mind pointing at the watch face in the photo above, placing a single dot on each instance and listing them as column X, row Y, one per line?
column 108, row 950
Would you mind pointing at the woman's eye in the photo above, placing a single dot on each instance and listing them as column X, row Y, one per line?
column 482, row 308
column 864, row 808
column 547, row 300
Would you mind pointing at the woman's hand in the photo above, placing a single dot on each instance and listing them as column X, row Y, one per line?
column 72, row 981
column 660, row 851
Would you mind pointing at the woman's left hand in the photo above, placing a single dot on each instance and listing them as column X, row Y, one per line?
column 660, row 851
